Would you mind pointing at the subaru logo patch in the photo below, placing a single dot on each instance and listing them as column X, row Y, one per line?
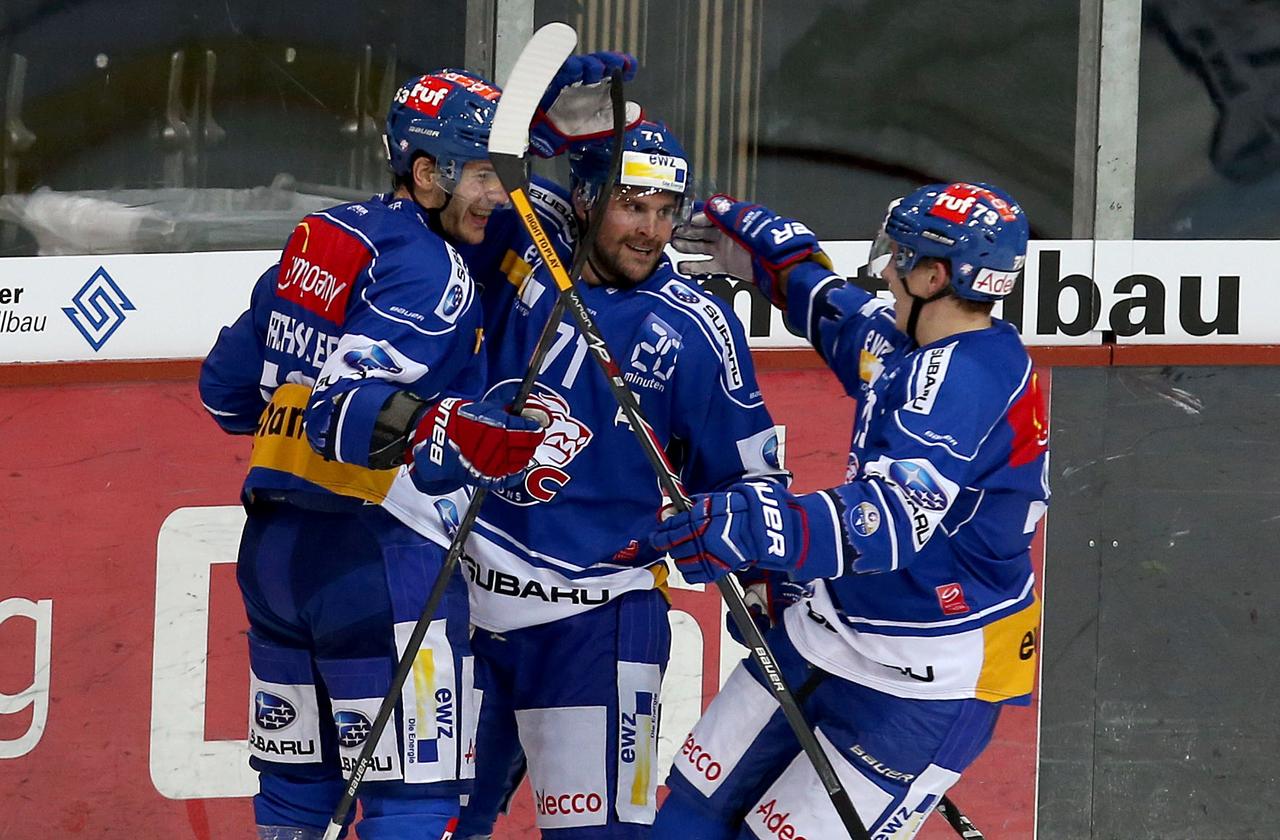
column 370, row 358
column 684, row 294
column 448, row 515
column 353, row 727
column 272, row 712
column 770, row 452
column 452, row 300
column 918, row 485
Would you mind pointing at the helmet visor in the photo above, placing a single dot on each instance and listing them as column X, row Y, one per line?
column 885, row 250
column 882, row 250
column 881, row 253
column 476, row 184
column 673, row 209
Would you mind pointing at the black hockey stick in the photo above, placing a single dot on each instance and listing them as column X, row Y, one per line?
column 529, row 81
column 962, row 824
column 505, row 152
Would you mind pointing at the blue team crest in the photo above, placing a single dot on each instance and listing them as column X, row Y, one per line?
column 272, row 712
column 918, row 485
column 371, row 358
column 353, row 727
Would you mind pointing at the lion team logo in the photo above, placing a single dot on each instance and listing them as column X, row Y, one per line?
column 566, row 438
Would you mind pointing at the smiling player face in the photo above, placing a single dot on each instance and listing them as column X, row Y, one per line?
column 476, row 195
column 637, row 225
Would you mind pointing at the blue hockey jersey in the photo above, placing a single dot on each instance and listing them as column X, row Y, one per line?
column 365, row 301
column 928, row 586
column 559, row 543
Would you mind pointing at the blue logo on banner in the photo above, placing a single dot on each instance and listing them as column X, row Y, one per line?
column 353, row 727
column 272, row 712
column 99, row 308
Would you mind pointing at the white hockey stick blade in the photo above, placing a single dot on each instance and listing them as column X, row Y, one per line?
column 533, row 71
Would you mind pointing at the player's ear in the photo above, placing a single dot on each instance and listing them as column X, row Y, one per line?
column 939, row 276
column 424, row 170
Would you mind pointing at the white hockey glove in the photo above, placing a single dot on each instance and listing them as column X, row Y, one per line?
column 772, row 243
column 710, row 250
column 576, row 107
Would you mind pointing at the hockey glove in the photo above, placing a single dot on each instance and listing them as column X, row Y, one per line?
column 477, row 443
column 576, row 106
column 766, row 595
column 753, row 523
column 771, row 243
column 716, row 253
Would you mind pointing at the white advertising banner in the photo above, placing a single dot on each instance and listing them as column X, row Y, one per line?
column 122, row 306
column 1073, row 293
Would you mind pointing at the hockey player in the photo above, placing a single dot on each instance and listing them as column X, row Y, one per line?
column 920, row 618
column 361, row 350
column 573, row 630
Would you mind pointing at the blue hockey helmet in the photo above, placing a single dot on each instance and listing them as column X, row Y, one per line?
column 447, row 115
column 652, row 159
column 977, row 228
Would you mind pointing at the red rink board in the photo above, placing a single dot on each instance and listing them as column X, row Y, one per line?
column 91, row 475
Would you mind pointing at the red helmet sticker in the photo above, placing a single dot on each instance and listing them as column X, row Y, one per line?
column 427, row 95
column 479, row 87
column 958, row 201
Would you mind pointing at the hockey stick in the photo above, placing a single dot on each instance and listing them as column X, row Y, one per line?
column 962, row 824
column 505, row 152
column 529, row 80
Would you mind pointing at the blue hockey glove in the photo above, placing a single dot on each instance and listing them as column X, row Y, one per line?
column 477, row 443
column 576, row 106
column 754, row 523
column 752, row 235
column 766, row 595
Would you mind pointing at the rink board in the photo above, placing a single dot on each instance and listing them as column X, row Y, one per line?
column 118, row 592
